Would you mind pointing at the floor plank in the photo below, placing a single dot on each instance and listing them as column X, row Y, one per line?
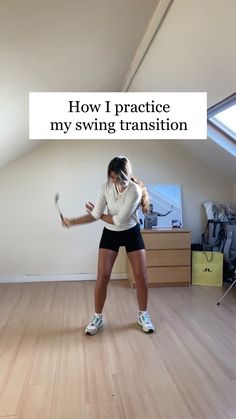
column 49, row 369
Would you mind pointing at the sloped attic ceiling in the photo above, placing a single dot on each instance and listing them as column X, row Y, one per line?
column 62, row 45
column 78, row 45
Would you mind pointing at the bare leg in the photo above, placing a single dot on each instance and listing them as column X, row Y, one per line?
column 106, row 259
column 139, row 266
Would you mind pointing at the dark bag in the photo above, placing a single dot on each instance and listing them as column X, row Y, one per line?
column 196, row 246
column 213, row 237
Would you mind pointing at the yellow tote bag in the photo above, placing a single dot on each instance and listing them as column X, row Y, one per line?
column 207, row 268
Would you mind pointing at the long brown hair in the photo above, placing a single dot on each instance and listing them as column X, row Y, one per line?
column 122, row 168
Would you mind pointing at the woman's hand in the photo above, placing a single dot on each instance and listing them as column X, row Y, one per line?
column 89, row 207
column 66, row 222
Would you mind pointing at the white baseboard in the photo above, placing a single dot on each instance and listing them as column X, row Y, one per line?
column 56, row 278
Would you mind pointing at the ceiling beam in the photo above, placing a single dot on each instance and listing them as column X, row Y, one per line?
column 153, row 27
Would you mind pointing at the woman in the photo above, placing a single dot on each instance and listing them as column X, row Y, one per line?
column 121, row 195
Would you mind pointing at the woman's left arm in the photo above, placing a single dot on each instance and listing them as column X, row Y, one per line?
column 130, row 205
column 107, row 218
column 104, row 217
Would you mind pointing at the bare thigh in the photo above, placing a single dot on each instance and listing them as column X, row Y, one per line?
column 106, row 260
column 138, row 263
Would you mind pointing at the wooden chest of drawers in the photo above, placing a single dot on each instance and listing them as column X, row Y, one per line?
column 168, row 257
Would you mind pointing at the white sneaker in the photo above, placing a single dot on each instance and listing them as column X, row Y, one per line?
column 95, row 324
column 145, row 322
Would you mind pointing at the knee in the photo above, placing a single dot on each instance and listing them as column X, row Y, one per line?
column 103, row 277
column 141, row 280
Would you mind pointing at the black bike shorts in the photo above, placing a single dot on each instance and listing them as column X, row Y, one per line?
column 131, row 239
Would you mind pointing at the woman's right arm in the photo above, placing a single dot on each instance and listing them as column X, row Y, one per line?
column 83, row 219
column 94, row 211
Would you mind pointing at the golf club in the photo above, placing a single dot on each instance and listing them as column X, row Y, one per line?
column 56, row 199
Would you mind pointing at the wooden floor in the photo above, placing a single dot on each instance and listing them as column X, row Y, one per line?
column 50, row 370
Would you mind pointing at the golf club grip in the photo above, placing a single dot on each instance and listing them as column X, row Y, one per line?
column 62, row 218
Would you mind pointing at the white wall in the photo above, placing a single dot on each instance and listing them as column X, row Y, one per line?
column 32, row 241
